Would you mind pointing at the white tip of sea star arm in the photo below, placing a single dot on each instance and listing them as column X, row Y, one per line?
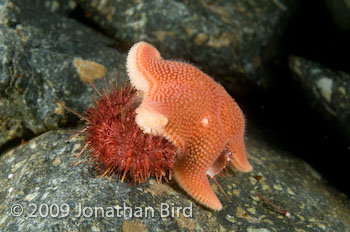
column 150, row 121
column 137, row 52
column 135, row 76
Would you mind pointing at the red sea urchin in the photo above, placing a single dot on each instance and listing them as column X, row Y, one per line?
column 117, row 145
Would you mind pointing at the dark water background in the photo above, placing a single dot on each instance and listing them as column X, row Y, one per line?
column 285, row 115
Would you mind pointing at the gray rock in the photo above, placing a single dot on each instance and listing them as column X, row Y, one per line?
column 232, row 40
column 340, row 12
column 37, row 71
column 328, row 92
column 39, row 175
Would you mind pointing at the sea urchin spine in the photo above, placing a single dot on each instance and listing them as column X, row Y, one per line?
column 117, row 145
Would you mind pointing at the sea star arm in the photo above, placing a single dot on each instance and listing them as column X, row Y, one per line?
column 238, row 155
column 190, row 173
column 149, row 120
column 140, row 56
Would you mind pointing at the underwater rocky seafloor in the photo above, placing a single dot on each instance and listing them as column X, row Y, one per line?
column 40, row 172
column 239, row 44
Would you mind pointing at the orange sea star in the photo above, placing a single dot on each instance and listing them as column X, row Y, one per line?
column 189, row 108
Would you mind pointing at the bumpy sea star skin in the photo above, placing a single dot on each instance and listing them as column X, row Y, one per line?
column 189, row 108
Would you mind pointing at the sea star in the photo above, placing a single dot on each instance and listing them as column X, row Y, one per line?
column 190, row 109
